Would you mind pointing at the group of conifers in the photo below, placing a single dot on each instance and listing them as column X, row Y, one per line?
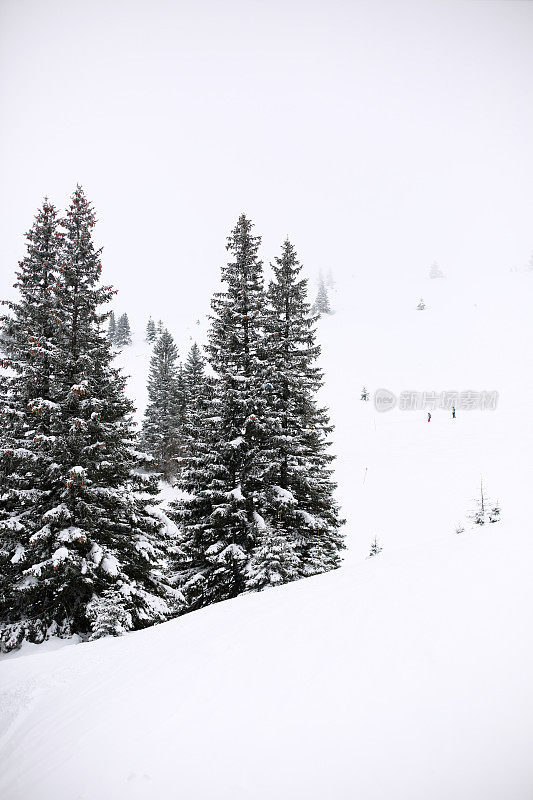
column 84, row 545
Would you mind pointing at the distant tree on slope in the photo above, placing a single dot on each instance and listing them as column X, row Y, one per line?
column 160, row 433
column 375, row 548
column 112, row 328
column 123, row 332
column 151, row 334
column 321, row 304
column 435, row 271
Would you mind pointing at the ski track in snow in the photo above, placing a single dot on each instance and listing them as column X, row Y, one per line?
column 402, row 677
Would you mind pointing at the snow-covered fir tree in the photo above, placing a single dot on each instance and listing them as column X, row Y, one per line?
column 364, row 394
column 435, row 271
column 300, row 505
column 151, row 334
column 197, row 390
column 225, row 483
column 123, row 332
column 107, row 614
column 274, row 560
column 112, row 327
column 74, row 522
column 160, row 431
column 200, row 391
column 321, row 304
column 421, row 305
column 375, row 548
column 28, row 389
column 159, row 330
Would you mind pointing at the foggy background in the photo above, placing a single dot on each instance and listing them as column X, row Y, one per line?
column 378, row 135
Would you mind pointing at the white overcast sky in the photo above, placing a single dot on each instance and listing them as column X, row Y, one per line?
column 378, row 135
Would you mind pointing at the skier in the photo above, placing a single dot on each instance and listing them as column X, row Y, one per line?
column 429, row 416
column 453, row 412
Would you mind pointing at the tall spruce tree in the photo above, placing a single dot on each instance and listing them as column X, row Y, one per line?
column 160, row 431
column 225, row 482
column 196, row 391
column 151, row 334
column 301, row 507
column 123, row 332
column 74, row 523
column 321, row 304
column 112, row 327
column 28, row 390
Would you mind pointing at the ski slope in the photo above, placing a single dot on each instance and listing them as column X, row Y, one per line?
column 402, row 677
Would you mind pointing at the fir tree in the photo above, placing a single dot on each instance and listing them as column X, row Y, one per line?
column 196, row 388
column 198, row 391
column 74, row 521
column 274, row 560
column 160, row 434
column 123, row 332
column 160, row 327
column 28, row 390
column 151, row 334
column 112, row 328
column 364, row 394
column 375, row 549
column 225, row 481
column 435, row 271
column 321, row 304
column 421, row 305
column 300, row 495
column 107, row 614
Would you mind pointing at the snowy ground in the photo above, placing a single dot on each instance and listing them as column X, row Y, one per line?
column 404, row 677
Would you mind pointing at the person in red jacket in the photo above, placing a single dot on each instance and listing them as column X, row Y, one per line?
column 429, row 416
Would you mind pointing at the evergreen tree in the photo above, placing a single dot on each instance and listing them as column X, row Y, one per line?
column 321, row 304
column 196, row 390
column 375, row 549
column 123, row 332
column 112, row 328
column 274, row 560
column 225, row 480
column 160, row 435
column 364, row 394
column 198, row 393
column 435, row 271
column 73, row 507
column 28, row 390
column 151, row 334
column 421, row 305
column 107, row 615
column 300, row 497
column 160, row 327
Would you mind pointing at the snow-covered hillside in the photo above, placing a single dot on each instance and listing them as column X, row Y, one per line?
column 402, row 677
